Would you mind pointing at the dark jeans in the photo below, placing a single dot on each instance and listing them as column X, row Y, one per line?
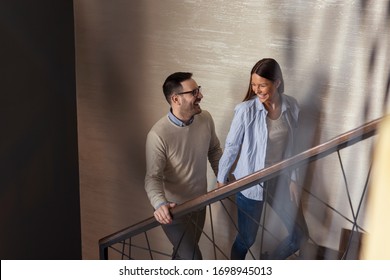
column 184, row 234
column 277, row 195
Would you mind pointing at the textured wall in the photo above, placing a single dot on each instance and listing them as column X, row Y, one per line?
column 334, row 55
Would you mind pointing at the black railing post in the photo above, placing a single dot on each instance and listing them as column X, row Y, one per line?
column 103, row 252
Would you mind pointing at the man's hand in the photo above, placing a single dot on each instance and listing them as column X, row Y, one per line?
column 219, row 185
column 162, row 214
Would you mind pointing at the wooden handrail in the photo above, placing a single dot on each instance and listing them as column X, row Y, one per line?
column 342, row 141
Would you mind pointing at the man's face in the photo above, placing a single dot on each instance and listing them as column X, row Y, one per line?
column 188, row 104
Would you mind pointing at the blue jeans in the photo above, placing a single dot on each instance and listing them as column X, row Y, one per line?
column 249, row 213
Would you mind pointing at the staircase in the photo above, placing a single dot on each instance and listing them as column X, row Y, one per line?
column 145, row 240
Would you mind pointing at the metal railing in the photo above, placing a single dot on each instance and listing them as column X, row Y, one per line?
column 121, row 243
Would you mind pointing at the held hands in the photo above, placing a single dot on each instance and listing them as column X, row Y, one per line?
column 219, row 185
column 162, row 214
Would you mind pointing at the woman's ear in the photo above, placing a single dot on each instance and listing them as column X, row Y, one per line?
column 277, row 83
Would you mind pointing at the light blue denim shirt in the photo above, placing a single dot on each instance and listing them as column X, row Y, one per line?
column 248, row 137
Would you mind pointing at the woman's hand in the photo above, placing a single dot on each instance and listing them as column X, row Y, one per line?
column 294, row 192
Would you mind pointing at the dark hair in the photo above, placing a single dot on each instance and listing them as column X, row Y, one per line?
column 172, row 84
column 267, row 68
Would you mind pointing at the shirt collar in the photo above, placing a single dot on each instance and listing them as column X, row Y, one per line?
column 177, row 121
column 260, row 106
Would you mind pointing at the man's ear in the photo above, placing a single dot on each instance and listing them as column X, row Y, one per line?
column 175, row 99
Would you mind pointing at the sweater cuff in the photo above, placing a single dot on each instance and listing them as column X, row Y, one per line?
column 161, row 204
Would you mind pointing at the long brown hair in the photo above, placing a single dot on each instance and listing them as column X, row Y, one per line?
column 267, row 68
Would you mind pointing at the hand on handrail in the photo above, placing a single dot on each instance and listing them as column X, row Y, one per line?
column 219, row 185
column 163, row 215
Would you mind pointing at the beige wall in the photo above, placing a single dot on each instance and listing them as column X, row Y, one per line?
column 125, row 50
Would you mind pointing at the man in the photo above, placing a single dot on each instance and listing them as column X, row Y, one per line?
column 177, row 149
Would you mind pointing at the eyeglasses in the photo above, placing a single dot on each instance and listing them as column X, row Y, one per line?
column 194, row 92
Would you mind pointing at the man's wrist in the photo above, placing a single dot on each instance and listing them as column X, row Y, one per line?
column 161, row 204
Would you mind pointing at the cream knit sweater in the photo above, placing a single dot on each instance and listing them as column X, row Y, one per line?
column 176, row 159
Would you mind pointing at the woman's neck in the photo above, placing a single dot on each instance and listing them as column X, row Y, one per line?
column 274, row 107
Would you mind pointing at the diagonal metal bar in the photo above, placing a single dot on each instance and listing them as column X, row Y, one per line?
column 121, row 252
column 330, row 207
column 355, row 224
column 181, row 239
column 123, row 248
column 346, row 185
column 364, row 191
column 212, row 232
column 147, row 242
column 211, row 239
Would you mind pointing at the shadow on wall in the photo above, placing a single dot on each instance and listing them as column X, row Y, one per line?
column 39, row 182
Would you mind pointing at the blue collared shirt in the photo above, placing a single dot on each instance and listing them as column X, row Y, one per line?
column 178, row 122
column 248, row 137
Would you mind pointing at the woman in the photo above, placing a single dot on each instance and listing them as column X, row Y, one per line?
column 262, row 134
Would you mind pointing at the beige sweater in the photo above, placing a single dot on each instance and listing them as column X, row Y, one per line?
column 176, row 159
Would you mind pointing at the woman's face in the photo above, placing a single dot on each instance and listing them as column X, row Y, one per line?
column 265, row 89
